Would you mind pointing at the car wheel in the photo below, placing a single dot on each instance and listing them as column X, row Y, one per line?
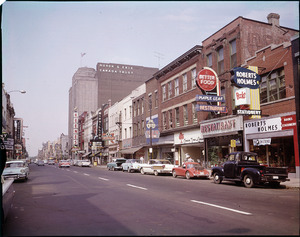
column 155, row 172
column 142, row 171
column 217, row 178
column 248, row 181
column 187, row 175
column 174, row 174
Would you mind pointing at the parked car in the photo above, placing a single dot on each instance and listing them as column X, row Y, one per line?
column 8, row 194
column 64, row 163
column 243, row 167
column 190, row 170
column 17, row 169
column 86, row 163
column 51, row 162
column 131, row 165
column 40, row 163
column 157, row 166
column 116, row 164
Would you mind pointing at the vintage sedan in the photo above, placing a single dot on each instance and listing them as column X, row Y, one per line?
column 84, row 163
column 131, row 165
column 157, row 166
column 64, row 163
column 190, row 170
column 116, row 164
column 16, row 169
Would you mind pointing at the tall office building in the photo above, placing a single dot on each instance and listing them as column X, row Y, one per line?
column 82, row 95
column 116, row 81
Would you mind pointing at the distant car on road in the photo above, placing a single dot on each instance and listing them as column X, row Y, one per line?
column 84, row 163
column 64, row 163
column 51, row 162
column 131, row 165
column 40, row 163
column 17, row 169
column 116, row 164
column 190, row 170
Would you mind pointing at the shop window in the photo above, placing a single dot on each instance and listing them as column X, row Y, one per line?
column 220, row 60
column 273, row 86
column 233, row 60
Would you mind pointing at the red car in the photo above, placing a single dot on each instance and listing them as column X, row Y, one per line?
column 64, row 163
column 190, row 170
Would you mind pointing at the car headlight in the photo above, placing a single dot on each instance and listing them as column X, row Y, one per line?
column 22, row 171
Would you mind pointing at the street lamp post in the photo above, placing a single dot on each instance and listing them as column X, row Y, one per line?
column 21, row 91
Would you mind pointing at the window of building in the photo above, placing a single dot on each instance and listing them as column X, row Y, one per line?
column 195, row 120
column 150, row 102
column 176, row 86
column 209, row 60
column 170, row 89
column 184, row 81
column 138, row 107
column 130, row 111
column 233, row 60
column 143, row 127
column 223, row 93
column 164, row 95
column 125, row 114
column 220, row 60
column 156, row 99
column 273, row 86
column 130, row 135
column 125, row 133
column 185, row 115
column 177, row 117
column 193, row 79
column 164, row 120
column 170, row 119
column 134, row 109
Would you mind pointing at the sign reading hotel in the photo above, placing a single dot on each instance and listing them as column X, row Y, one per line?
column 222, row 126
column 207, row 79
column 243, row 77
column 75, row 129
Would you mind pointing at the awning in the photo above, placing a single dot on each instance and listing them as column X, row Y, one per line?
column 131, row 150
column 87, row 154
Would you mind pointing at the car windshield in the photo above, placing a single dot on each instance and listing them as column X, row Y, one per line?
column 14, row 165
column 85, row 161
column 135, row 161
column 166, row 162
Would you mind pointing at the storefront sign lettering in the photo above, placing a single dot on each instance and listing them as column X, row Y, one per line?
column 242, row 96
column 193, row 136
column 207, row 79
column 210, row 98
column 267, row 125
column 218, row 126
column 248, row 112
column 211, row 108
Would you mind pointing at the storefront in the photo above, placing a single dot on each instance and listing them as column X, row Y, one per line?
column 221, row 136
column 275, row 140
column 189, row 142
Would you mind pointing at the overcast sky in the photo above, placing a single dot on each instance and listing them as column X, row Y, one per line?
column 42, row 44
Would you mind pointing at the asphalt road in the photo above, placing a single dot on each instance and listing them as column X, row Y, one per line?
column 81, row 201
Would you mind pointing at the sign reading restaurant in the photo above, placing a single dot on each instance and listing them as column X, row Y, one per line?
column 243, row 77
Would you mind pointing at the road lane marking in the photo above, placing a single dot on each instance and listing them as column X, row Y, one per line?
column 86, row 174
column 225, row 208
column 130, row 185
column 103, row 179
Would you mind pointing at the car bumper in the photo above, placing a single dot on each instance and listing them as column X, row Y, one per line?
column 274, row 178
column 15, row 176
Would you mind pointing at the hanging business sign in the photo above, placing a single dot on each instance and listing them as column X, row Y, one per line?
column 207, row 79
column 242, row 96
column 262, row 142
column 210, row 98
column 211, row 108
column 243, row 77
column 152, row 125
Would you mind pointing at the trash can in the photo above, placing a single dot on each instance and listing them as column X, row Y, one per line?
column 95, row 163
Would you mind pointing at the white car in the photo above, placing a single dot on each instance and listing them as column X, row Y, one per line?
column 16, row 169
column 86, row 163
column 131, row 165
column 157, row 166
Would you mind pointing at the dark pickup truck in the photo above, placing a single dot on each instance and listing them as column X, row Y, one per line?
column 243, row 167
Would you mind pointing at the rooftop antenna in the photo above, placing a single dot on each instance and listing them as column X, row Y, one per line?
column 159, row 56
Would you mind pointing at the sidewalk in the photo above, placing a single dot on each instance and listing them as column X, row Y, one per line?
column 293, row 183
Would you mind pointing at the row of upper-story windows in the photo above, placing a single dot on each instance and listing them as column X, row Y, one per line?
column 140, row 105
column 171, row 118
column 180, row 84
column 221, row 57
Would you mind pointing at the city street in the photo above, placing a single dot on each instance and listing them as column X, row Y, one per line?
column 81, row 201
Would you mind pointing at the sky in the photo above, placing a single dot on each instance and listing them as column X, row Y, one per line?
column 42, row 44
